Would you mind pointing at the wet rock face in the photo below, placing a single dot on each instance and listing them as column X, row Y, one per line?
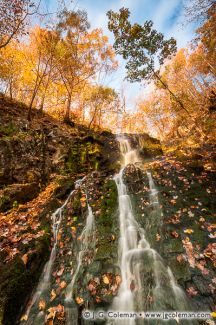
column 147, row 146
column 185, row 238
column 98, row 277
column 12, row 194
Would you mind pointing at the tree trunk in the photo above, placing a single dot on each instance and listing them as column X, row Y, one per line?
column 10, row 90
column 67, row 112
column 94, row 114
column 31, row 105
column 42, row 104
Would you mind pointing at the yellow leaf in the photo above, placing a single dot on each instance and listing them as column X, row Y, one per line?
column 24, row 318
column 52, row 313
column 53, row 295
column 188, row 231
column 106, row 279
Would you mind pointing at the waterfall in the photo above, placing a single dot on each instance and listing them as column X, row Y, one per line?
column 33, row 316
column 143, row 271
column 87, row 237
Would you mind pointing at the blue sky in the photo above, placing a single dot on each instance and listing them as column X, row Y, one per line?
column 167, row 16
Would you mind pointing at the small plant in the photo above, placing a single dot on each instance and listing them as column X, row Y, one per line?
column 15, row 205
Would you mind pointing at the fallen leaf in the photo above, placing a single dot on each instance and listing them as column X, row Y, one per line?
column 192, row 292
column 63, row 285
column 174, row 234
column 188, row 231
column 105, row 278
column 42, row 304
column 53, row 295
column 118, row 279
column 180, row 258
column 25, row 258
column 49, row 322
column 79, row 300
column 24, row 318
column 60, row 272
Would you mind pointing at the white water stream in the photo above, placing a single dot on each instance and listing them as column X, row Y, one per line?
column 87, row 237
column 38, row 318
column 145, row 276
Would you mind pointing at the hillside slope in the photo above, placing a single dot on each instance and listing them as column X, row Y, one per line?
column 40, row 162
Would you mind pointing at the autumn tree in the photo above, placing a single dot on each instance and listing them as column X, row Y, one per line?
column 11, row 63
column 39, row 55
column 206, row 40
column 184, row 77
column 102, row 100
column 14, row 16
column 198, row 10
column 82, row 53
column 145, row 50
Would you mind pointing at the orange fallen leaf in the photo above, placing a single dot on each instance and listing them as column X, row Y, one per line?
column 25, row 258
column 42, row 304
column 49, row 322
column 63, row 284
column 79, row 300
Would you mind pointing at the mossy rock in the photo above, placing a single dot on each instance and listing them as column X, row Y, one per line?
column 180, row 270
column 17, row 281
column 173, row 246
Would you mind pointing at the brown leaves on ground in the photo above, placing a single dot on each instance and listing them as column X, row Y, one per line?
column 107, row 284
column 20, row 227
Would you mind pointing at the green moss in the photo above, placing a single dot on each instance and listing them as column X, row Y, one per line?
column 9, row 129
column 83, row 156
column 17, row 280
column 4, row 202
column 107, row 223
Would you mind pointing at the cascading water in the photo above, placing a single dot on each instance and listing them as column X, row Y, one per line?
column 147, row 284
column 43, row 288
column 86, row 237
